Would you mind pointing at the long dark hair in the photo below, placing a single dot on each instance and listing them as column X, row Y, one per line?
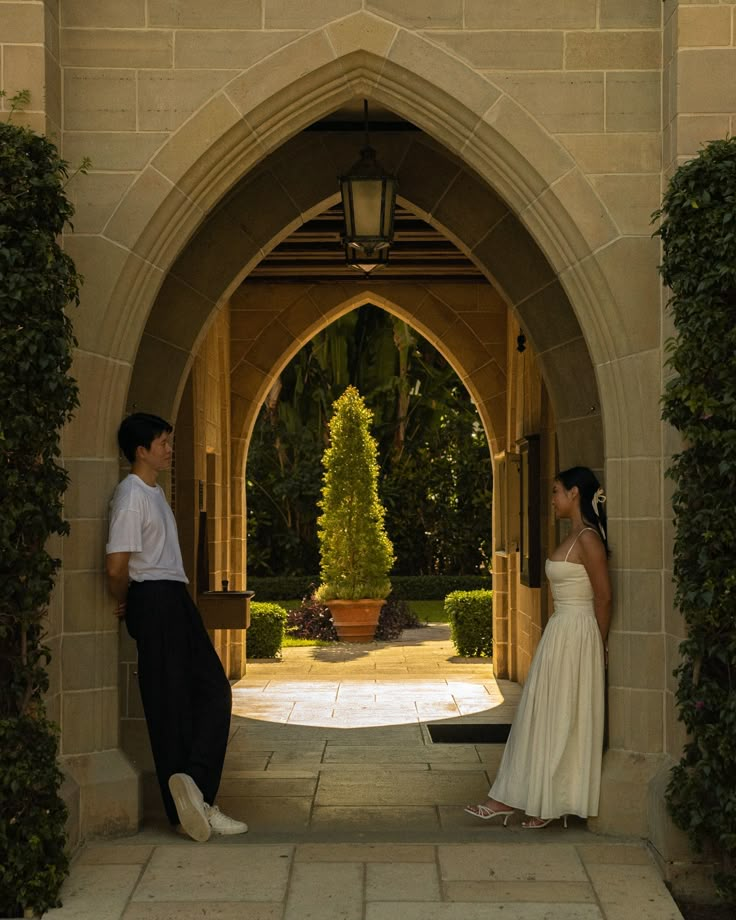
column 587, row 483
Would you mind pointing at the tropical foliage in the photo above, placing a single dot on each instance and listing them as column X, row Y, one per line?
column 434, row 461
column 698, row 232
column 356, row 554
column 37, row 282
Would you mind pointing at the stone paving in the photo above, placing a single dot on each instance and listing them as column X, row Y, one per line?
column 355, row 814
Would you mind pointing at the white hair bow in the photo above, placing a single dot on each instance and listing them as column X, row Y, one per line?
column 599, row 499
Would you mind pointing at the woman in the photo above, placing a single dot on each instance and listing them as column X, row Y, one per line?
column 552, row 763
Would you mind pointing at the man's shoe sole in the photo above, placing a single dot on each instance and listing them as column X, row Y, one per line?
column 230, row 833
column 190, row 806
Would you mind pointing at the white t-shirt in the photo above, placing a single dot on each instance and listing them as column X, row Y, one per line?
column 142, row 524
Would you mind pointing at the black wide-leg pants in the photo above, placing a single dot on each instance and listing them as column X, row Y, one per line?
column 186, row 695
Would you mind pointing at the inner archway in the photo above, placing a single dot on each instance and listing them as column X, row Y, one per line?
column 434, row 460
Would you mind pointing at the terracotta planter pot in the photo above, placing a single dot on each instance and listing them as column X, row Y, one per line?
column 356, row 621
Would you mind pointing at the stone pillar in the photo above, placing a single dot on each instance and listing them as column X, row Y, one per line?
column 30, row 39
column 102, row 790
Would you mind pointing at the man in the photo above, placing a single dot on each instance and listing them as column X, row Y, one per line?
column 186, row 694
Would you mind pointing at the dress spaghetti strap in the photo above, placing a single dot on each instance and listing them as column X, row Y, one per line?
column 576, row 540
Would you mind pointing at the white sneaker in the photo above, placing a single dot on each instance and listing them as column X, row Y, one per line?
column 221, row 824
column 190, row 806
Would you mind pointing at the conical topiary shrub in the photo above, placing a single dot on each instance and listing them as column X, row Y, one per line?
column 356, row 553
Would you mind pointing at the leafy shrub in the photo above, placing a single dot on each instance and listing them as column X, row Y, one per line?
column 311, row 620
column 33, row 863
column 266, row 631
column 395, row 617
column 470, row 614
column 356, row 554
column 406, row 587
column 38, row 282
column 698, row 232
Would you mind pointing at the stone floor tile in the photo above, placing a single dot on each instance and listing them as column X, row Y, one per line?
column 267, row 784
column 172, row 910
column 375, row 710
column 468, row 687
column 401, row 789
column 519, row 892
column 379, row 768
column 301, row 755
column 508, row 862
column 361, row 697
column 273, row 814
column 309, row 715
column 363, row 819
column 406, row 753
column 270, row 716
column 98, row 892
column 235, row 761
column 632, row 891
column 366, row 852
column 456, row 766
column 398, row 881
column 114, row 854
column 621, row 854
column 324, row 688
column 503, row 712
column 325, row 891
column 380, row 719
column 423, row 910
column 436, row 710
column 490, row 754
column 266, row 714
column 216, row 873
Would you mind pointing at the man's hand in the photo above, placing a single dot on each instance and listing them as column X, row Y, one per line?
column 117, row 580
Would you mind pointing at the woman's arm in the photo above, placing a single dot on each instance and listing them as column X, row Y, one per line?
column 593, row 554
column 117, row 579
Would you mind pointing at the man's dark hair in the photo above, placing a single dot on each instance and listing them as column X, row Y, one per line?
column 139, row 430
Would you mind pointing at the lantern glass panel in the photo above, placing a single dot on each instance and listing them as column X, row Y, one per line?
column 366, row 199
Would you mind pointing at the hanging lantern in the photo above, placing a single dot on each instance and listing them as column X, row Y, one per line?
column 369, row 201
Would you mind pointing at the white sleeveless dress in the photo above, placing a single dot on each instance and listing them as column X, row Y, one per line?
column 552, row 762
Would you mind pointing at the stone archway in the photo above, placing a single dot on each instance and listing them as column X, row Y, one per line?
column 199, row 170
column 297, row 181
column 501, row 187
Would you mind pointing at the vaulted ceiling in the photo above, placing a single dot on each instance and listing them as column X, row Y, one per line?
column 315, row 251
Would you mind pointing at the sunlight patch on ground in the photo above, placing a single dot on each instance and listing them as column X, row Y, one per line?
column 369, row 703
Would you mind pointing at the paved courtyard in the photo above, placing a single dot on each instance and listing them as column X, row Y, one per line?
column 355, row 814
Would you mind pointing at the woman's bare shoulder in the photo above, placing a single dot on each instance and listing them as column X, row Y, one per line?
column 591, row 542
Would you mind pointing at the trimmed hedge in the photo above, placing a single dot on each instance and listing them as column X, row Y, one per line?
column 403, row 587
column 436, row 587
column 282, row 587
column 698, row 233
column 266, row 632
column 471, row 622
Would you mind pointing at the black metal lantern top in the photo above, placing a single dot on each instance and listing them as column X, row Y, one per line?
column 368, row 200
